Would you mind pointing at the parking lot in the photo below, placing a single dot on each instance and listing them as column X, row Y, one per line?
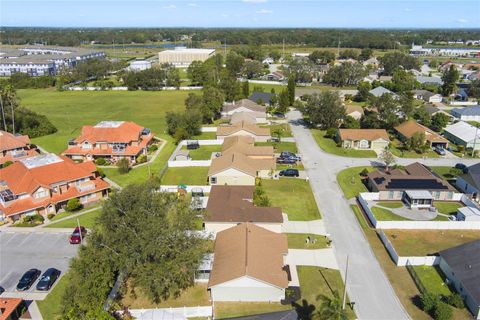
column 20, row 251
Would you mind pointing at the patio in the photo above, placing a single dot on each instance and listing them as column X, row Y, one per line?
column 401, row 210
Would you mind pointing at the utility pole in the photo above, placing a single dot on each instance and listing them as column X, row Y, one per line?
column 474, row 141
column 283, row 52
column 225, row 48
column 13, row 119
column 338, row 49
column 3, row 114
column 80, row 231
column 345, row 288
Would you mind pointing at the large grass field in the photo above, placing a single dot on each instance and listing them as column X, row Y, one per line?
column 294, row 196
column 330, row 146
column 70, row 110
column 350, row 181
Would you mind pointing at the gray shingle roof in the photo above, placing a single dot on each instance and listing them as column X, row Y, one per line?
column 467, row 111
column 264, row 96
column 379, row 91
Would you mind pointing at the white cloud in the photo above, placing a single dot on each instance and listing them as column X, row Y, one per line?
column 264, row 11
column 192, row 4
column 462, row 20
column 408, row 9
column 255, row 1
column 170, row 6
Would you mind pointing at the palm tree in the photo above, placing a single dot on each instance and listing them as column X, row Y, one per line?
column 278, row 133
column 330, row 308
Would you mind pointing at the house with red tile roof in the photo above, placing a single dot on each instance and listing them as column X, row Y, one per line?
column 12, row 308
column 111, row 140
column 44, row 183
column 15, row 147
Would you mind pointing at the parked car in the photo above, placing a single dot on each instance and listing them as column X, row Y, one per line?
column 289, row 173
column 462, row 167
column 77, row 235
column 288, row 154
column 440, row 151
column 286, row 160
column 28, row 279
column 48, row 279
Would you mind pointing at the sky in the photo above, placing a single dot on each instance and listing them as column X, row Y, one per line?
column 242, row 13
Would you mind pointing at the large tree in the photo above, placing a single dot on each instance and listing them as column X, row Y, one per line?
column 234, row 62
column 325, row 109
column 403, row 80
column 346, row 74
column 450, row 78
column 388, row 108
column 321, row 56
column 393, row 60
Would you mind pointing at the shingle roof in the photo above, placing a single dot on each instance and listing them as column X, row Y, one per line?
column 249, row 250
column 379, row 91
column 408, row 128
column 245, row 117
column 464, row 261
column 240, row 162
column 467, row 111
column 353, row 108
column 235, row 204
column 245, row 103
column 424, row 79
column 361, row 134
column 231, row 129
column 246, row 146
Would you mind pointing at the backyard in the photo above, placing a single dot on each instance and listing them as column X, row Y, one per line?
column 204, row 152
column 294, row 196
column 350, row 181
column 433, row 279
column 382, row 214
column 299, row 241
column 226, row 310
column 449, row 208
column 329, row 145
column 425, row 242
column 185, row 175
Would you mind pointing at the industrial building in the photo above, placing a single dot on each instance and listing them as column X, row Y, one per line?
column 183, row 57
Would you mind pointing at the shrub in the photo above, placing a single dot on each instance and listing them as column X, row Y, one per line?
column 101, row 173
column 100, row 161
column 152, row 148
column 364, row 172
column 36, row 218
column 123, row 165
column 7, row 163
column 455, row 300
column 141, row 158
column 442, row 311
column 331, row 133
column 429, row 301
column 50, row 216
column 73, row 205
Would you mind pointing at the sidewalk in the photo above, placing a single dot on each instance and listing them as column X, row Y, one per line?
column 308, row 257
column 313, row 227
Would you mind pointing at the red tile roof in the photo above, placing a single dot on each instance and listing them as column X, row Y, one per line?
column 126, row 132
column 9, row 142
column 7, row 306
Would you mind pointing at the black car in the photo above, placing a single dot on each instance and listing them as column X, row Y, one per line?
column 288, row 154
column 28, row 279
column 462, row 167
column 289, row 173
column 48, row 279
column 286, row 160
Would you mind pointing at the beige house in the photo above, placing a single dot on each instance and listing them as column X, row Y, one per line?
column 238, row 169
column 249, row 265
column 356, row 112
column 248, row 106
column 407, row 129
column 245, row 117
column 183, row 57
column 246, row 145
column 244, row 129
column 365, row 139
column 230, row 205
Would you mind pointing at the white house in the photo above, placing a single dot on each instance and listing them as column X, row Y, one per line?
column 464, row 134
column 467, row 113
column 469, row 182
column 249, row 265
column 139, row 65
column 468, row 214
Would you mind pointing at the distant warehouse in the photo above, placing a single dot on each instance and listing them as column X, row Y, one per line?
column 183, row 57
column 42, row 61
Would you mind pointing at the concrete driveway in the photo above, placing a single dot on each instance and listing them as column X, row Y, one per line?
column 313, row 226
column 316, row 258
column 22, row 251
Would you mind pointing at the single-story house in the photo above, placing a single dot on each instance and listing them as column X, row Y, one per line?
column 264, row 97
column 371, row 139
column 469, row 183
column 464, row 134
column 238, row 169
column 430, row 80
column 427, row 96
column 245, row 117
column 394, row 184
column 354, row 111
column 249, row 265
column 468, row 214
column 461, row 95
column 244, row 129
column 467, row 113
column 432, row 110
column 380, row 91
column 275, row 76
column 228, row 206
column 373, row 61
column 407, row 129
column 246, row 145
column 461, row 265
column 243, row 105
column 385, row 78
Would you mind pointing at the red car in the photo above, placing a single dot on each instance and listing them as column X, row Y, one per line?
column 78, row 235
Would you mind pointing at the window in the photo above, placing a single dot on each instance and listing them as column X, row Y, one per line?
column 436, row 194
column 450, row 195
column 390, row 194
column 41, row 193
column 213, row 180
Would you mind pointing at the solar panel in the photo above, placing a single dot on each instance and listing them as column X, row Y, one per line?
column 429, row 184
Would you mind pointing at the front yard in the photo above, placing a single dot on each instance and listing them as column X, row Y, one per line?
column 350, row 181
column 204, row 152
column 329, row 145
column 398, row 149
column 185, row 175
column 425, row 242
column 306, row 241
column 87, row 220
column 294, row 196
column 284, row 127
column 280, row 146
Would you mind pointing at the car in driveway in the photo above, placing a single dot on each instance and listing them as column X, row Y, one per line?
column 440, row 151
column 77, row 235
column 286, row 161
column 462, row 167
column 28, row 279
column 47, row 279
column 289, row 173
column 288, row 154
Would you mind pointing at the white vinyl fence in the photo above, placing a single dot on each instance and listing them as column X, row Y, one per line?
column 192, row 163
column 172, row 313
column 209, row 129
column 172, row 188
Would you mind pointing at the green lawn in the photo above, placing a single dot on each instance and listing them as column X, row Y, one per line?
column 88, row 220
column 70, row 110
column 67, row 214
column 280, row 146
column 433, row 279
column 290, row 166
column 185, row 175
column 447, row 207
column 143, row 173
column 50, row 308
column 294, row 196
column 330, row 146
column 398, row 150
column 226, row 310
column 298, row 241
column 386, row 215
column 350, row 181
column 391, row 204
column 315, row 281
column 204, row 152
column 444, row 172
column 284, row 126
column 205, row 136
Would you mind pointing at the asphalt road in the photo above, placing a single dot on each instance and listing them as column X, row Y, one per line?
column 22, row 251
